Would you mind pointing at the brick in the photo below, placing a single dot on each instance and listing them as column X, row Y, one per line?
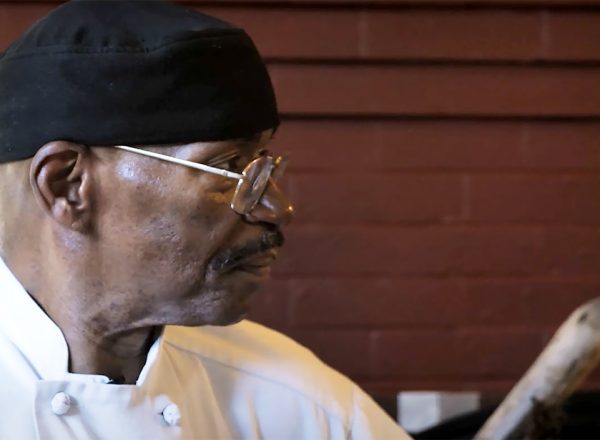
column 499, row 354
column 501, row 251
column 437, row 90
column 423, row 34
column 490, row 145
column 284, row 184
column 270, row 304
column 416, row 354
column 418, row 251
column 15, row 18
column 345, row 350
column 547, row 199
column 440, row 145
column 550, row 251
column 525, row 303
column 568, row 145
column 319, row 250
column 375, row 303
column 366, row 198
column 390, row 34
column 283, row 33
column 571, row 35
column 318, row 145
column 460, row 145
column 571, row 251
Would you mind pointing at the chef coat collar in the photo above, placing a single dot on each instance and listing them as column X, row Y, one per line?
column 38, row 338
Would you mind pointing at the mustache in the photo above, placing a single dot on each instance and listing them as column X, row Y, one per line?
column 231, row 257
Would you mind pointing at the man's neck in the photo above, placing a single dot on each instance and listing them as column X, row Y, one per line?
column 98, row 337
column 120, row 357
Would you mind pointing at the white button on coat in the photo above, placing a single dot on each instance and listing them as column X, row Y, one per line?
column 61, row 403
column 171, row 415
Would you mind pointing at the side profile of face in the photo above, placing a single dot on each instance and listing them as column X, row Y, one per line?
column 166, row 246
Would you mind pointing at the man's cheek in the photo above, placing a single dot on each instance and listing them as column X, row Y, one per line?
column 220, row 198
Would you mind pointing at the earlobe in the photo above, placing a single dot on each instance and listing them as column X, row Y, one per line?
column 60, row 179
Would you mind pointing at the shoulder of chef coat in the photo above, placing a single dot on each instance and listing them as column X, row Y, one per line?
column 272, row 357
column 265, row 354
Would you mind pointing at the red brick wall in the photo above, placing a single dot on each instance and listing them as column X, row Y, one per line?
column 446, row 159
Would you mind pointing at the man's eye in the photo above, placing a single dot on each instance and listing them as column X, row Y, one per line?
column 230, row 162
column 233, row 163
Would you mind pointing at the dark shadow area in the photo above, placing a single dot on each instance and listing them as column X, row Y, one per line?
column 580, row 414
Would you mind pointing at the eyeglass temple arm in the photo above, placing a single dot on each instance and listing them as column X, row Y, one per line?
column 187, row 163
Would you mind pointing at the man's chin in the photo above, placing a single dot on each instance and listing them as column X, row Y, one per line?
column 234, row 313
column 231, row 320
column 223, row 313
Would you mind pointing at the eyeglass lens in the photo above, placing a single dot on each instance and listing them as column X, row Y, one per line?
column 254, row 183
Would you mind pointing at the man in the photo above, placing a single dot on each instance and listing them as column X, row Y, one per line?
column 140, row 210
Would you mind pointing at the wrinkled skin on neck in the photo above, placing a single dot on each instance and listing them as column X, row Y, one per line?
column 113, row 246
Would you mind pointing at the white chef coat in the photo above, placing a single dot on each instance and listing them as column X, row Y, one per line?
column 242, row 381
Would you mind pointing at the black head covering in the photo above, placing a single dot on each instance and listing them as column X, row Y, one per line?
column 130, row 72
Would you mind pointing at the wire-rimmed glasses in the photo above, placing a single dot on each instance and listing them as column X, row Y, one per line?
column 252, row 183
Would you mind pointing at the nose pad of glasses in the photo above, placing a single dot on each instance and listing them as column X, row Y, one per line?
column 279, row 166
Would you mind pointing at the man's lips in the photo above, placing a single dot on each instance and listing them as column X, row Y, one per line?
column 249, row 254
column 258, row 264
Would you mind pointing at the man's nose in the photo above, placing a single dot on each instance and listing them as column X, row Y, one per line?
column 273, row 207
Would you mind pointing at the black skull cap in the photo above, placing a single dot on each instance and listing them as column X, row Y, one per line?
column 137, row 72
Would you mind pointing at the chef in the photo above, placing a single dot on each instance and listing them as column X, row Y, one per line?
column 140, row 210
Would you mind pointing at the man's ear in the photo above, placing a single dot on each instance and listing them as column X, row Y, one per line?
column 60, row 177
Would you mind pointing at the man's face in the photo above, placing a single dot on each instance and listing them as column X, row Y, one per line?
column 170, row 250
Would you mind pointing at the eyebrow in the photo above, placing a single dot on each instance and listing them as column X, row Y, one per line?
column 217, row 160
